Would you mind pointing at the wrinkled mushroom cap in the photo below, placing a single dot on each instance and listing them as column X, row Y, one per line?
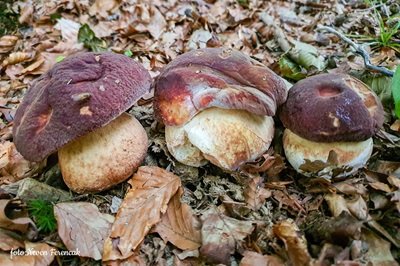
column 83, row 92
column 331, row 108
column 215, row 77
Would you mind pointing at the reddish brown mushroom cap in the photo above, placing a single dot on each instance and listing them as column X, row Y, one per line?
column 331, row 108
column 80, row 94
column 215, row 77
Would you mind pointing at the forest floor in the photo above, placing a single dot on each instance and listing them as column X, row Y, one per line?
column 263, row 214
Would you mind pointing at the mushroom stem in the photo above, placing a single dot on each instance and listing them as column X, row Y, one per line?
column 104, row 157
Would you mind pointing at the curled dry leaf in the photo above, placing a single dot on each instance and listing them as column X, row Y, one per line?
column 82, row 227
column 18, row 57
column 7, row 43
column 337, row 204
column 36, row 254
column 221, row 234
column 13, row 166
column 251, row 258
column 255, row 194
column 295, row 242
column 13, row 216
column 152, row 189
column 179, row 225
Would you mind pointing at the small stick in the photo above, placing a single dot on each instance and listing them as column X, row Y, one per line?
column 359, row 49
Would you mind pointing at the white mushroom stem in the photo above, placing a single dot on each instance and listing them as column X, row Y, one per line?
column 226, row 138
column 104, row 157
column 351, row 155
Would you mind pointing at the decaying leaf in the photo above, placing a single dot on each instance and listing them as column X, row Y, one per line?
column 152, row 189
column 179, row 225
column 10, row 240
column 251, row 258
column 13, row 166
column 82, row 227
column 18, row 57
column 221, row 234
column 35, row 254
column 255, row 194
column 13, row 216
column 295, row 242
column 378, row 250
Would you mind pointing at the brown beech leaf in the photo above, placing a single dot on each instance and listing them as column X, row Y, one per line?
column 13, row 216
column 251, row 258
column 7, row 43
column 35, row 254
column 255, row 194
column 295, row 242
column 152, row 189
column 179, row 225
column 82, row 227
column 13, row 166
column 18, row 57
column 221, row 234
column 10, row 240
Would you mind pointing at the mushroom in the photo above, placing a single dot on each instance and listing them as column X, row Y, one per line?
column 78, row 108
column 217, row 105
column 330, row 120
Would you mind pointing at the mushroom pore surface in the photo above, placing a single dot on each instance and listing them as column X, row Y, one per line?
column 104, row 157
column 332, row 108
column 78, row 95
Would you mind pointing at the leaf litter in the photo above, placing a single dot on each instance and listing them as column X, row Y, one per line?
column 264, row 214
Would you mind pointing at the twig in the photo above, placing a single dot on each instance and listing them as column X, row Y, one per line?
column 359, row 49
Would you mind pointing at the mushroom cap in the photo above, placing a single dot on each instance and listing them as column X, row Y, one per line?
column 215, row 77
column 83, row 92
column 331, row 108
column 348, row 158
column 226, row 138
column 105, row 157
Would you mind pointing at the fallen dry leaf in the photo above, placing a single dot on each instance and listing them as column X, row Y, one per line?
column 82, row 227
column 179, row 225
column 35, row 254
column 13, row 216
column 295, row 242
column 221, row 234
column 9, row 241
column 18, row 57
column 7, row 43
column 378, row 250
column 152, row 189
column 13, row 166
column 255, row 194
column 251, row 258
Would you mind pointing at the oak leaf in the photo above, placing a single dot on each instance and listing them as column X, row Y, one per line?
column 221, row 234
column 179, row 225
column 152, row 189
column 255, row 194
column 82, row 227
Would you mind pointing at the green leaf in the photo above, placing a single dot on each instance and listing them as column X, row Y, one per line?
column 60, row 58
column 396, row 91
column 290, row 69
column 90, row 41
column 128, row 53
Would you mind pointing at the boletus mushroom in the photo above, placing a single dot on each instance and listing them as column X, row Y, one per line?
column 330, row 120
column 78, row 108
column 217, row 105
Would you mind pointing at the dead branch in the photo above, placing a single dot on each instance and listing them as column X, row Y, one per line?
column 359, row 49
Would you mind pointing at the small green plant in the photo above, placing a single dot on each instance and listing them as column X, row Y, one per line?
column 387, row 33
column 396, row 91
column 8, row 18
column 87, row 36
column 42, row 214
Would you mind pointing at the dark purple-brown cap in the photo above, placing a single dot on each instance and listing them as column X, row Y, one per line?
column 215, row 77
column 332, row 107
column 78, row 95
